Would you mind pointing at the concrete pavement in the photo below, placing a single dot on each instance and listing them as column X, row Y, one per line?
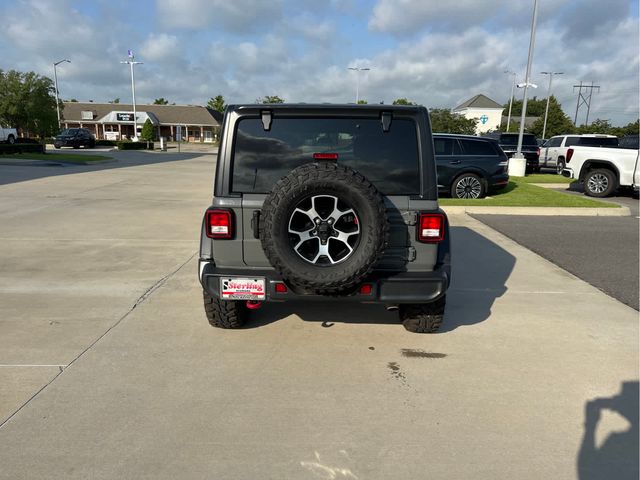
column 306, row 391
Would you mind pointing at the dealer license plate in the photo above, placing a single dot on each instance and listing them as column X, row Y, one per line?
column 234, row 288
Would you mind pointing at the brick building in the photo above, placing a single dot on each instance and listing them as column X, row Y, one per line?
column 114, row 121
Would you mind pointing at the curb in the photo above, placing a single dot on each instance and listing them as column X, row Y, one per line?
column 541, row 211
column 563, row 186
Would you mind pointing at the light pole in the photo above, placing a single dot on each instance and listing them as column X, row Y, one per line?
column 532, row 41
column 358, row 70
column 131, row 63
column 55, row 77
column 546, row 111
column 513, row 86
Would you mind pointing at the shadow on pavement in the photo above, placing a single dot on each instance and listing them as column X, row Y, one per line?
column 21, row 173
column 480, row 271
column 618, row 456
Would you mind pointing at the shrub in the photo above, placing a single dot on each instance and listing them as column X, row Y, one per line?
column 27, row 140
column 106, row 143
column 21, row 148
column 134, row 145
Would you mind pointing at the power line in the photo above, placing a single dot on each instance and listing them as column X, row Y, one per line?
column 584, row 99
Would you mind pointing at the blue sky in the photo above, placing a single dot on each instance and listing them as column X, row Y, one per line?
column 432, row 52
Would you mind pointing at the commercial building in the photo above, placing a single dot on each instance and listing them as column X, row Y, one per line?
column 486, row 112
column 114, row 121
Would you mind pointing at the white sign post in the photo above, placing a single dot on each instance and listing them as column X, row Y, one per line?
column 179, row 135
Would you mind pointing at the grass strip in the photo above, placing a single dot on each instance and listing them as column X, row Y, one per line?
column 59, row 157
column 519, row 193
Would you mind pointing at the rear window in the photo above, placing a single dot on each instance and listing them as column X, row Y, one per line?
column 477, row 147
column 512, row 140
column 388, row 159
column 597, row 141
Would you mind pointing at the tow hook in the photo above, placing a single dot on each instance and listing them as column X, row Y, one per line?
column 253, row 304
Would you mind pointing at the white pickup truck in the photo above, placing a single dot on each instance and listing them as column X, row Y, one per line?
column 603, row 170
column 8, row 135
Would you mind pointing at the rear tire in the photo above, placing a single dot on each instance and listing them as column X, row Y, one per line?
column 600, row 183
column 468, row 185
column 11, row 140
column 423, row 317
column 224, row 313
column 560, row 166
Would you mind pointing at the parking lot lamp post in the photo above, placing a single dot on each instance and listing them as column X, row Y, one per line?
column 513, row 86
column 131, row 62
column 358, row 70
column 546, row 111
column 527, row 78
column 55, row 79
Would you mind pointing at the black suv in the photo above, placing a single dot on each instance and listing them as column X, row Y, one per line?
column 530, row 149
column 468, row 166
column 75, row 137
column 325, row 202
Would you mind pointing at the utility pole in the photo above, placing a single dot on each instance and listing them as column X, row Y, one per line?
column 546, row 111
column 527, row 84
column 584, row 99
column 513, row 86
column 131, row 63
column 358, row 70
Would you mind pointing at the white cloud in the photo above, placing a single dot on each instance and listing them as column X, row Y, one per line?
column 234, row 15
column 159, row 47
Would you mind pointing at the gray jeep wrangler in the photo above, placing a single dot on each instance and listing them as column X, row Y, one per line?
column 325, row 202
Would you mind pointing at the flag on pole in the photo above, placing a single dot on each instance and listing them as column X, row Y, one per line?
column 130, row 53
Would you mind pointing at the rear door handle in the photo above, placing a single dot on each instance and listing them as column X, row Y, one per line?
column 455, row 162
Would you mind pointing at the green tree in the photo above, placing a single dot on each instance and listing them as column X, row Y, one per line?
column 558, row 122
column 115, row 100
column 402, row 101
column 27, row 102
column 598, row 126
column 362, row 102
column 161, row 101
column 73, row 100
column 443, row 121
column 535, row 107
column 148, row 132
column 270, row 99
column 217, row 103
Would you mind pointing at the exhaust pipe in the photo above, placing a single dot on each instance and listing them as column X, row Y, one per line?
column 253, row 304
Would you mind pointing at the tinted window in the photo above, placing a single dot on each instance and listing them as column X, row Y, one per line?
column 445, row 146
column 511, row 139
column 70, row 131
column 598, row 141
column 571, row 141
column 555, row 142
column 477, row 147
column 389, row 160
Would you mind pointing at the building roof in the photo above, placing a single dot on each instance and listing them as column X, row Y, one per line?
column 166, row 114
column 479, row 101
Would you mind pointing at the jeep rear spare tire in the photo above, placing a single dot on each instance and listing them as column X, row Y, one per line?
column 324, row 227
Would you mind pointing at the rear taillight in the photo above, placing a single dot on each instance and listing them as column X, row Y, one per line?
column 431, row 227
column 538, row 151
column 569, row 154
column 219, row 224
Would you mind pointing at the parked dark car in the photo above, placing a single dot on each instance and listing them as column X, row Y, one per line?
column 76, row 138
column 469, row 166
column 530, row 149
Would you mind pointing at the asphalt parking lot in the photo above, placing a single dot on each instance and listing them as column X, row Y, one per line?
column 108, row 368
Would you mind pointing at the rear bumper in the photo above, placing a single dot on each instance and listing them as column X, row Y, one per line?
column 499, row 180
column 404, row 287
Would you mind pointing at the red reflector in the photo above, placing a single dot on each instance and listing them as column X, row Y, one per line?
column 431, row 227
column 366, row 289
column 325, row 156
column 281, row 288
column 219, row 224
